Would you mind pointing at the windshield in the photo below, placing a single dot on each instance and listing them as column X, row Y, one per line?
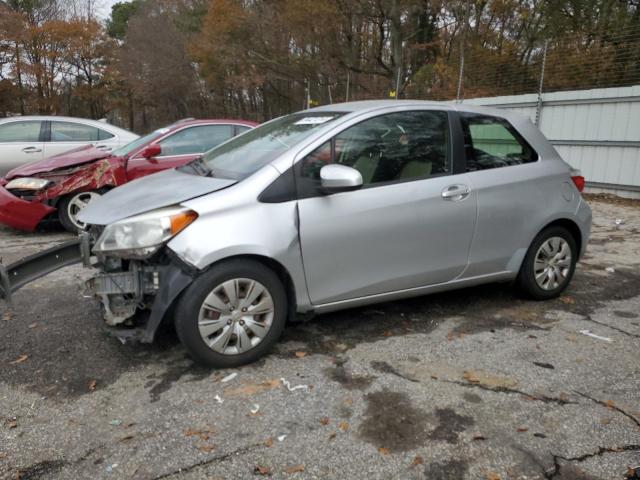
column 240, row 157
column 132, row 146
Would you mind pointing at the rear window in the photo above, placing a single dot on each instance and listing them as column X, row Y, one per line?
column 492, row 142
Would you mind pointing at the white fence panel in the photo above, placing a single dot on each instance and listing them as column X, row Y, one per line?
column 597, row 131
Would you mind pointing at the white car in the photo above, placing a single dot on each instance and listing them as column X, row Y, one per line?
column 30, row 138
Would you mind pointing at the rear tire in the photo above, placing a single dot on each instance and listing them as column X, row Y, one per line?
column 220, row 322
column 70, row 206
column 549, row 265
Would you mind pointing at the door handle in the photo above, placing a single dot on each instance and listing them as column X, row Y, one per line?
column 456, row 192
column 31, row 150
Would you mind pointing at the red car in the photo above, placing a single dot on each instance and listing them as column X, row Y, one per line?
column 66, row 183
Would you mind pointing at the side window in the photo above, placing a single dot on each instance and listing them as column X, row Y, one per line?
column 75, row 132
column 492, row 142
column 399, row 146
column 27, row 131
column 196, row 139
column 241, row 129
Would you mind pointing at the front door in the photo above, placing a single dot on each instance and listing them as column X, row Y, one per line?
column 410, row 225
column 21, row 142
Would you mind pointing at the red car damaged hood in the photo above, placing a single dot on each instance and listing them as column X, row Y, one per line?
column 77, row 156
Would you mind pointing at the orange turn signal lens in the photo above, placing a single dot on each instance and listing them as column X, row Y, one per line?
column 181, row 220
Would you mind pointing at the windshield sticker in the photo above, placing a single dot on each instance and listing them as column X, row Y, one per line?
column 313, row 120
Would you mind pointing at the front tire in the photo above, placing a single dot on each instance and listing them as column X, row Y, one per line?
column 549, row 264
column 70, row 207
column 232, row 314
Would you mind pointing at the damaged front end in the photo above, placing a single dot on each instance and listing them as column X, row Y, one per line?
column 136, row 294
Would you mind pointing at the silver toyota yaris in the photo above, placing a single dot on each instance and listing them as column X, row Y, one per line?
column 331, row 208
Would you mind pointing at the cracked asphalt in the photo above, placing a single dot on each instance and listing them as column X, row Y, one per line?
column 471, row 384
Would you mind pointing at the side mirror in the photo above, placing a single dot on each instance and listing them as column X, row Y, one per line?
column 339, row 178
column 151, row 151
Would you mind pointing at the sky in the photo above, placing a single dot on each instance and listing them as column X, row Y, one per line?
column 105, row 8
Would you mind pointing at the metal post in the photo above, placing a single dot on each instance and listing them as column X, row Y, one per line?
column 330, row 97
column 544, row 64
column 398, row 83
column 348, row 79
column 461, row 72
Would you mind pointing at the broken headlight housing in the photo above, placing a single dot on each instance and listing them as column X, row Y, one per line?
column 142, row 235
column 27, row 184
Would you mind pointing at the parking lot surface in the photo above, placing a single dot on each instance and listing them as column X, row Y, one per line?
column 471, row 384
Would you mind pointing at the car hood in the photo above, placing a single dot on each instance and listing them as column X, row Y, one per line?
column 77, row 156
column 149, row 193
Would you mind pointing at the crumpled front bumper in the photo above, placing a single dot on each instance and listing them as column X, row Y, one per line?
column 123, row 292
column 151, row 286
column 21, row 214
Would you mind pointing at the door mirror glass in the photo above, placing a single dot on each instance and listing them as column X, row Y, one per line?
column 151, row 151
column 339, row 178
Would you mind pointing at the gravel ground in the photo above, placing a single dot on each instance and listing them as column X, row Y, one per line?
column 472, row 384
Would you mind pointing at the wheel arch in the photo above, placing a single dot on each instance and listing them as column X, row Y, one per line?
column 277, row 267
column 571, row 226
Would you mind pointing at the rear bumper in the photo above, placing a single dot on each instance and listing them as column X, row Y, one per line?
column 21, row 214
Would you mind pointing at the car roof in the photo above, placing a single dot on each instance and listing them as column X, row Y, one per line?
column 364, row 106
column 216, row 121
column 87, row 121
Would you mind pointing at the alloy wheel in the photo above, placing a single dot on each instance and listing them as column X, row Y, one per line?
column 236, row 316
column 77, row 204
column 552, row 263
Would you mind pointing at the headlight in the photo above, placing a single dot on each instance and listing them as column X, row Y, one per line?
column 27, row 184
column 142, row 235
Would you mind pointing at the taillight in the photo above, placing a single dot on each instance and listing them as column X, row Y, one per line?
column 578, row 181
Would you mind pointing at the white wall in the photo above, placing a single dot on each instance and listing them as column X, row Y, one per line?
column 596, row 131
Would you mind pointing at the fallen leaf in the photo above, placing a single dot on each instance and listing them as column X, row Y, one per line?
column 332, row 436
column 92, row 385
column 260, row 470
column 294, row 469
column 250, row 389
column 20, row 359
column 567, row 300
column 434, row 377
column 344, row 426
column 7, row 316
column 470, row 377
column 417, row 460
column 12, row 424
column 268, row 442
column 383, row 451
column 202, row 434
column 492, row 476
column 206, row 448
column 33, row 325
column 126, row 439
column 388, row 333
column 522, row 429
column 479, row 437
column 301, row 354
column 610, row 405
column 324, row 421
column 450, row 336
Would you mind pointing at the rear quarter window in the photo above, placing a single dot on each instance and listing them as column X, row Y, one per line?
column 492, row 142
